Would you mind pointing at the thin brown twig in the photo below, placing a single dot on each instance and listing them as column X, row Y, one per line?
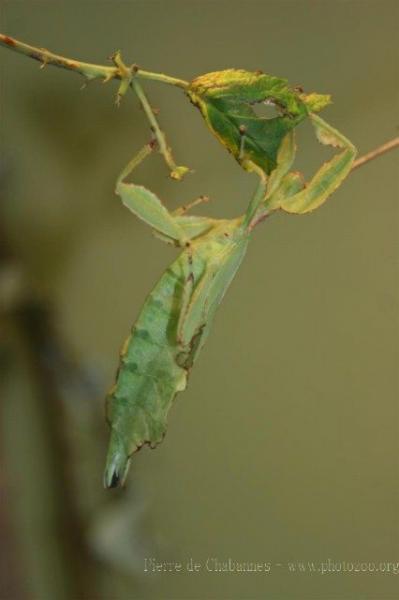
column 377, row 152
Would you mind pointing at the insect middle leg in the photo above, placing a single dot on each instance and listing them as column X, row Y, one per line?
column 182, row 210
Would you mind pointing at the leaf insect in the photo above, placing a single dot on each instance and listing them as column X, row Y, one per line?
column 174, row 323
column 175, row 320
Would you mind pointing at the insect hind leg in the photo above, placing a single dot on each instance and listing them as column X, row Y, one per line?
column 329, row 176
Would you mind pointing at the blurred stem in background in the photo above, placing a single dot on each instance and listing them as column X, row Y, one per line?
column 56, row 524
column 39, row 486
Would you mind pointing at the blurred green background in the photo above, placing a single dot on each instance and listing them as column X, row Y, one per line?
column 284, row 448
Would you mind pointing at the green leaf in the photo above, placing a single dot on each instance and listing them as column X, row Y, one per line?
column 225, row 99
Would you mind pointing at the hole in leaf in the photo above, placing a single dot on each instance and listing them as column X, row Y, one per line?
column 266, row 110
column 310, row 153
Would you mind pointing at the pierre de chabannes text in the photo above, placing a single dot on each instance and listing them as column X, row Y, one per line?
column 230, row 565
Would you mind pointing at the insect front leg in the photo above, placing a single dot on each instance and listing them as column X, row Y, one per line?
column 329, row 177
column 176, row 172
column 174, row 226
column 136, row 161
column 146, row 205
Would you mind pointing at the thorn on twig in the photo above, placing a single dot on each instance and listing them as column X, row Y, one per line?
column 85, row 83
column 153, row 143
column 88, row 79
column 108, row 77
column 112, row 56
column 44, row 58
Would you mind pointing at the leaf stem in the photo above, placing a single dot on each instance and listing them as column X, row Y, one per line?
column 88, row 70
